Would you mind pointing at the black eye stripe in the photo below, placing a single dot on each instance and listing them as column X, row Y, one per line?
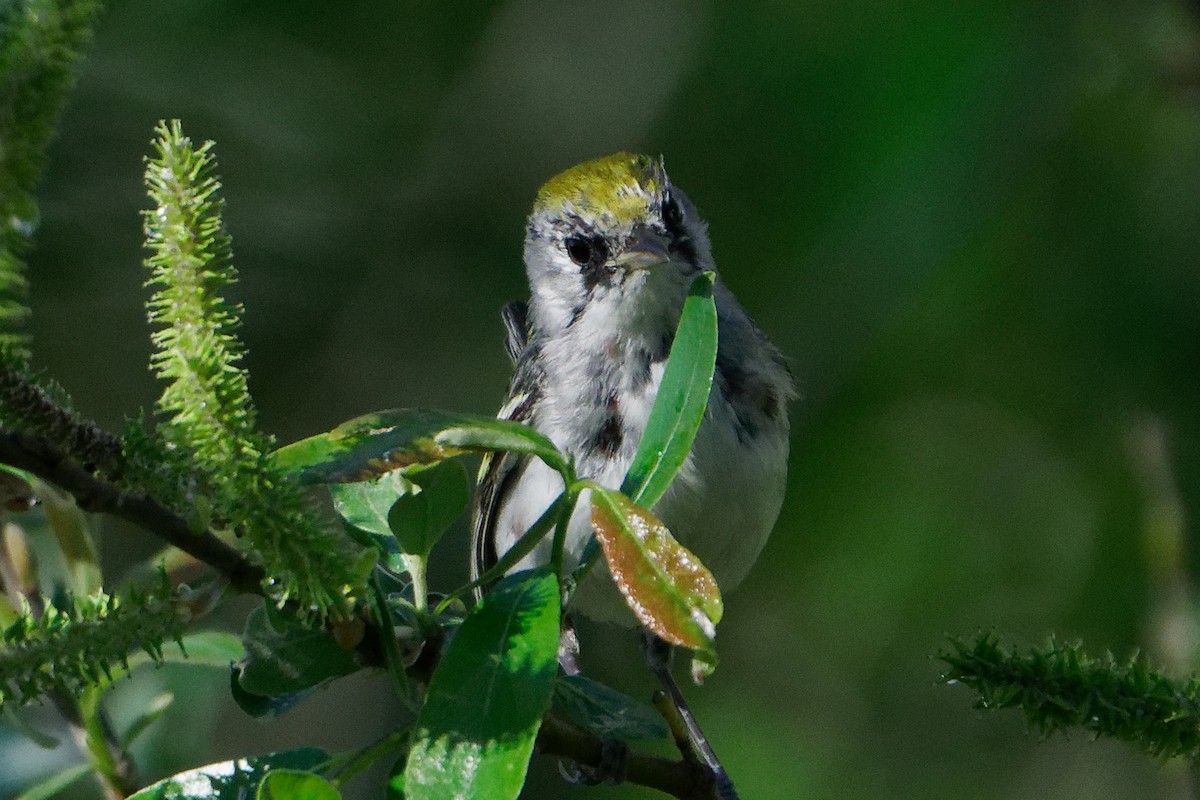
column 590, row 254
column 672, row 215
column 673, row 219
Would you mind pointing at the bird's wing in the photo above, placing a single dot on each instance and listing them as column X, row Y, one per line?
column 497, row 476
column 498, row 472
column 516, row 328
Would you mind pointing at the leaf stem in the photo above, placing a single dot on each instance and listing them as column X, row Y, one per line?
column 523, row 547
column 415, row 567
column 47, row 461
column 348, row 765
column 391, row 651
column 110, row 761
column 566, row 504
column 687, row 780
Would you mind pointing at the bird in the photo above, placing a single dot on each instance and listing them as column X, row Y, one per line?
column 611, row 250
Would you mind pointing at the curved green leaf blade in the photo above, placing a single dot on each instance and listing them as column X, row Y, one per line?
column 682, row 397
column 259, row 706
column 56, row 784
column 293, row 784
column 150, row 714
column 404, row 513
column 486, row 699
column 441, row 494
column 289, row 659
column 667, row 587
column 370, row 445
column 15, row 719
column 604, row 711
column 364, row 507
column 230, row 780
column 16, row 491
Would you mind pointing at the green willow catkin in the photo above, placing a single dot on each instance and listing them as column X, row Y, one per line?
column 79, row 643
column 1060, row 687
column 207, row 415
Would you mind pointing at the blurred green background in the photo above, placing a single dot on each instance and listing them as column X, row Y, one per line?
column 973, row 227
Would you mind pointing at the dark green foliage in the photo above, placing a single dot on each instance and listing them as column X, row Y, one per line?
column 364, row 509
column 604, row 711
column 40, row 40
column 284, row 658
column 1060, row 687
column 151, row 465
column 261, row 706
column 419, row 518
column 78, row 644
column 485, row 703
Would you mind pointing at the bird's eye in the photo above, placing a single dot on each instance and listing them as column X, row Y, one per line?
column 587, row 251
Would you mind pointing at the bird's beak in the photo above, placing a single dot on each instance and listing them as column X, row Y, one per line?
column 647, row 248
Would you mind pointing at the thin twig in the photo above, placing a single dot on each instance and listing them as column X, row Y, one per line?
column 50, row 463
column 83, row 440
column 682, row 779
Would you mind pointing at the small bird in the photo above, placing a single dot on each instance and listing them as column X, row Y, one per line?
column 611, row 249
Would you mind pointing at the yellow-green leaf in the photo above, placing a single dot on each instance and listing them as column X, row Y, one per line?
column 294, row 784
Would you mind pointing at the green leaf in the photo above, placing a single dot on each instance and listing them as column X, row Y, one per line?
column 486, row 699
column 150, row 714
column 682, row 397
column 364, row 507
column 604, row 711
column 16, row 491
column 291, row 784
column 667, row 587
column 370, row 445
column 74, row 537
column 260, row 707
column 230, row 780
column 395, row 785
column 55, row 784
column 289, row 659
column 13, row 717
column 419, row 519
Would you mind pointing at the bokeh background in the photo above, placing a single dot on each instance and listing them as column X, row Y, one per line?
column 973, row 227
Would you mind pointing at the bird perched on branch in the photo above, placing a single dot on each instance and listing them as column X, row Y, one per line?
column 611, row 250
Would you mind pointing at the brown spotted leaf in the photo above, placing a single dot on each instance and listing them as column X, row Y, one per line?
column 667, row 587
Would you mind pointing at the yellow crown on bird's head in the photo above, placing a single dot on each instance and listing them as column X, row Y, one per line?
column 626, row 187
